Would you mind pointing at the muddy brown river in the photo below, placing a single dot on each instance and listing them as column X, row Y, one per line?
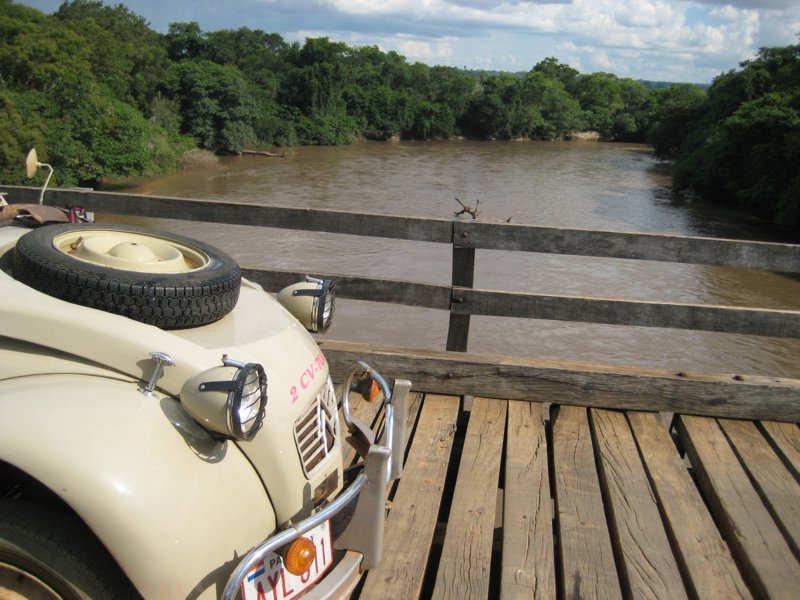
column 580, row 184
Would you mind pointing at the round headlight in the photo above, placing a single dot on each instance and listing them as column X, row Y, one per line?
column 230, row 399
column 247, row 401
column 311, row 302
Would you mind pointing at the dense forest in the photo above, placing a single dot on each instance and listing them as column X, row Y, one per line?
column 100, row 94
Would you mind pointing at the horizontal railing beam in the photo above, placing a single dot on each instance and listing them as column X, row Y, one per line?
column 638, row 246
column 463, row 234
column 407, row 293
column 698, row 317
column 237, row 213
column 578, row 384
column 466, row 301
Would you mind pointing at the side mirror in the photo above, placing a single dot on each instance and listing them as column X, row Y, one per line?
column 32, row 165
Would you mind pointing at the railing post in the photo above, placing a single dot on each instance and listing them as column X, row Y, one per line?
column 463, row 276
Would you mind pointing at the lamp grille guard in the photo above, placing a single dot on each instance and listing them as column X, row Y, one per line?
column 396, row 411
column 382, row 465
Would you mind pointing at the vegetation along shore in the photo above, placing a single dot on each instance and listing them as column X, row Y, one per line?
column 100, row 94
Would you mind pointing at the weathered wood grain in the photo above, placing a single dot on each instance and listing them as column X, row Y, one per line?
column 407, row 293
column 701, row 552
column 412, row 520
column 648, row 566
column 587, row 559
column 414, row 406
column 466, row 302
column 463, row 275
column 466, row 237
column 466, row 558
column 776, row 485
column 638, row 246
column 598, row 386
column 759, row 548
column 786, row 438
column 465, row 234
column 724, row 319
column 369, row 413
column 528, row 552
column 251, row 213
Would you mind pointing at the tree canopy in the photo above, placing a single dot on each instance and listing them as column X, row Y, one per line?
column 740, row 143
column 101, row 94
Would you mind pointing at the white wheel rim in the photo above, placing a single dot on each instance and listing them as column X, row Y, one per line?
column 130, row 251
column 18, row 584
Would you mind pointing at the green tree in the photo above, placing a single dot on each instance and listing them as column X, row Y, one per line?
column 634, row 119
column 185, row 41
column 600, row 98
column 258, row 55
column 559, row 113
column 550, row 68
column 451, row 90
column 743, row 143
column 19, row 132
column 676, row 108
column 498, row 111
column 39, row 53
column 218, row 107
column 125, row 54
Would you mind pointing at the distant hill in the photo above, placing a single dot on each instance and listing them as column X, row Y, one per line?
column 654, row 85
column 650, row 85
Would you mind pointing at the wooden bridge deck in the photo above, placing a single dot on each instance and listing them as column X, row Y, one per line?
column 516, row 499
column 590, row 496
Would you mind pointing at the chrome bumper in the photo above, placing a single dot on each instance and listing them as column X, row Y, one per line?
column 382, row 465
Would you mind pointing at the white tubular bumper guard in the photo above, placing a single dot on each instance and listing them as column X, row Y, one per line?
column 364, row 533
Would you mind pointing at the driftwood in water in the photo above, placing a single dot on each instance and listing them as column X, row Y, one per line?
column 264, row 153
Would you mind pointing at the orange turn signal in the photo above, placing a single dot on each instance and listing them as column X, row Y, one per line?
column 299, row 556
column 367, row 387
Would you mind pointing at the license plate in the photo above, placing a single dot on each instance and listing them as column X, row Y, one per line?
column 269, row 580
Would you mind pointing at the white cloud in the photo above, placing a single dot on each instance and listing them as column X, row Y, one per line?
column 421, row 51
column 692, row 40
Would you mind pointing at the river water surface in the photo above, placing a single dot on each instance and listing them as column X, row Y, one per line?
column 580, row 184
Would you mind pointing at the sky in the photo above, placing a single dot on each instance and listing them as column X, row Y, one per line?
column 657, row 40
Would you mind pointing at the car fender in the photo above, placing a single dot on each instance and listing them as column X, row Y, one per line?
column 175, row 507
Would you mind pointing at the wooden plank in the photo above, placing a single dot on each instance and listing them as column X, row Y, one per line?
column 463, row 275
column 465, row 563
column 786, row 438
column 528, row 570
column 407, row 293
column 701, row 552
column 649, row 569
column 458, row 333
column 587, row 560
column 578, row 384
column 414, row 405
column 308, row 219
column 776, row 485
column 724, row 319
column 637, row 246
column 465, row 234
column 412, row 520
column 764, row 558
column 368, row 413
column 463, row 268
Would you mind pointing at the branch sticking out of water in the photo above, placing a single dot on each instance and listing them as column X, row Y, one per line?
column 468, row 209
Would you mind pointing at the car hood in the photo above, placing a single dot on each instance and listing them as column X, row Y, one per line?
column 257, row 330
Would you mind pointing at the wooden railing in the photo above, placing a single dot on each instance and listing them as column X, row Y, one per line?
column 462, row 300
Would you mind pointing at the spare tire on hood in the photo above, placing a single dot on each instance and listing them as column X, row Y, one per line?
column 157, row 278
